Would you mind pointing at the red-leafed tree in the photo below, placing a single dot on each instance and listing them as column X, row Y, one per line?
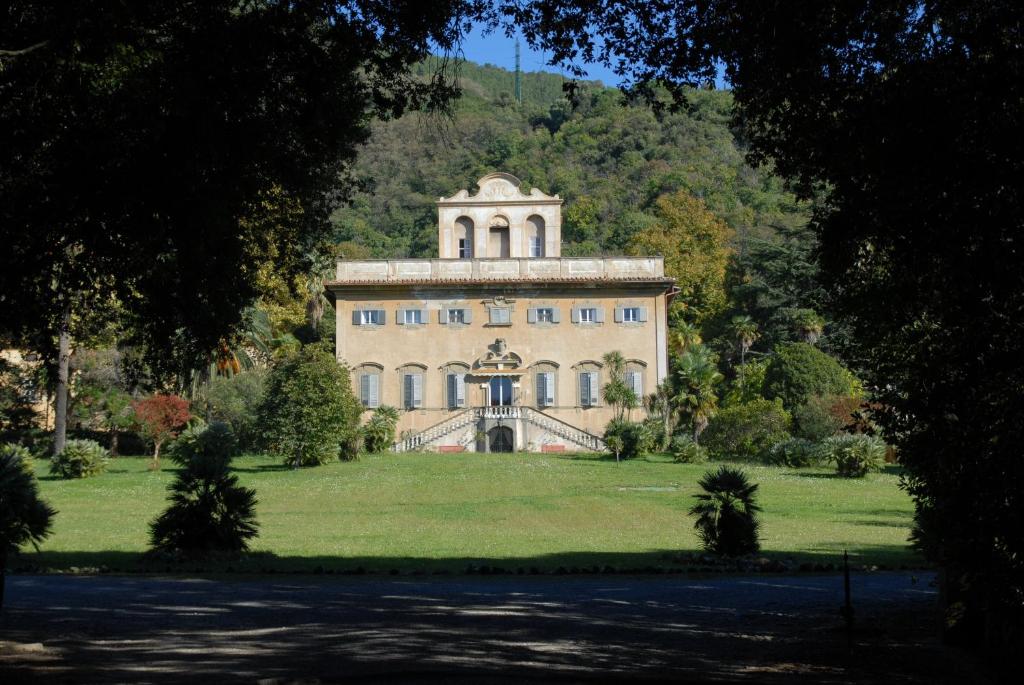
column 161, row 417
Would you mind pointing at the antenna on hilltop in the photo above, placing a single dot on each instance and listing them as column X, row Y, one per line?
column 519, row 80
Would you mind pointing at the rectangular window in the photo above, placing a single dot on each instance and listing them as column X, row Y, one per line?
column 456, row 316
column 536, row 246
column 588, row 315
column 631, row 314
column 465, row 248
column 368, row 317
column 412, row 390
column 412, row 316
column 546, row 315
column 500, row 316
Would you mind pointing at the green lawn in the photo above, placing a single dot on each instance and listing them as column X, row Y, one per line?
column 444, row 511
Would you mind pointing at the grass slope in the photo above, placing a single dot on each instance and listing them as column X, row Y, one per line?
column 445, row 511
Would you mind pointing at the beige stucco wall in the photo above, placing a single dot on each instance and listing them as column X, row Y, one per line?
column 564, row 344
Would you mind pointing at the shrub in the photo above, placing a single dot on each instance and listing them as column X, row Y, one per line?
column 798, row 371
column 79, row 459
column 209, row 511
column 309, row 414
column 854, row 455
column 727, row 513
column 199, row 441
column 235, row 399
column 823, row 416
column 747, row 431
column 636, row 440
column 797, row 453
column 379, row 431
column 22, row 454
column 161, row 417
column 24, row 517
column 685, row 451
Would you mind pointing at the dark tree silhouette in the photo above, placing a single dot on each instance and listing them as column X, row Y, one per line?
column 902, row 120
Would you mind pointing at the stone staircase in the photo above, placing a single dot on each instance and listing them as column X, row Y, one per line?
column 436, row 432
column 568, row 432
column 564, row 430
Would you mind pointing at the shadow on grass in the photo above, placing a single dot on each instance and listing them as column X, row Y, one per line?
column 655, row 562
column 262, row 468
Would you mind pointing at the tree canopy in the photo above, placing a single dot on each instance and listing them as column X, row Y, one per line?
column 156, row 154
column 903, row 121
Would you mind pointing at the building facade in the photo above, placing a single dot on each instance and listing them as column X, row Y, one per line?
column 498, row 344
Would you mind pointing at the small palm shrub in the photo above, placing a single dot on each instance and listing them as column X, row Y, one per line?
column 685, row 451
column 202, row 442
column 854, row 455
column 636, row 440
column 209, row 511
column 24, row 517
column 379, row 431
column 19, row 452
column 79, row 459
column 796, row 453
column 726, row 513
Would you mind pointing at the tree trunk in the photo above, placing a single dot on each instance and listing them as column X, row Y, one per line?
column 113, row 443
column 60, row 418
column 156, row 451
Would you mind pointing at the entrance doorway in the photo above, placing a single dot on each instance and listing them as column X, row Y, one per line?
column 501, row 391
column 499, row 439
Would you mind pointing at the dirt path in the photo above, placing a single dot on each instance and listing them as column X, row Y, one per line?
column 500, row 630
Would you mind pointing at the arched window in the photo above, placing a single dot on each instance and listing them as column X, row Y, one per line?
column 412, row 381
column 464, row 237
column 635, row 375
column 588, row 383
column 453, row 375
column 545, row 384
column 535, row 236
column 367, row 379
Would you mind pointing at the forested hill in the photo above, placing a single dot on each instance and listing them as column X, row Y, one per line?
column 608, row 160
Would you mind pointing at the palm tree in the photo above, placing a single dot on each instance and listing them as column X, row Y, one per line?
column 808, row 324
column 616, row 393
column 727, row 513
column 744, row 329
column 684, row 336
column 24, row 517
column 659, row 403
column 696, row 376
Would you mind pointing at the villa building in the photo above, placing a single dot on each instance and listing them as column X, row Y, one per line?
column 498, row 344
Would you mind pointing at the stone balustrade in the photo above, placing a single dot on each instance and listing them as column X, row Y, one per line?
column 526, row 269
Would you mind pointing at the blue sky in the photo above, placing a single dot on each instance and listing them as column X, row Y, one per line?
column 499, row 50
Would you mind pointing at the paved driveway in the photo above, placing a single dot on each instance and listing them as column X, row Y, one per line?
column 504, row 629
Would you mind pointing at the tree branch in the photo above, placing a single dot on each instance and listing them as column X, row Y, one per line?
column 22, row 51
